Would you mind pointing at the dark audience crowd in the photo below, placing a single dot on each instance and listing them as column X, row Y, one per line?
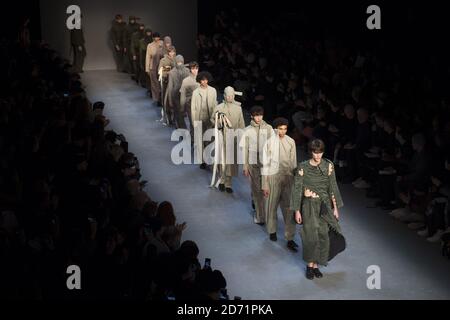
column 71, row 193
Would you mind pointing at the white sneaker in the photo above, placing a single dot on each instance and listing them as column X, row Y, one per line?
column 436, row 237
column 413, row 217
column 423, row 233
column 416, row 225
column 356, row 182
column 255, row 220
column 362, row 185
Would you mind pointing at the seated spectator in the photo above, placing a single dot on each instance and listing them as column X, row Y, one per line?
column 211, row 285
column 437, row 212
column 172, row 232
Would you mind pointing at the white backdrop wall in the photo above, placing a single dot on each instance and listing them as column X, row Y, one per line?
column 175, row 18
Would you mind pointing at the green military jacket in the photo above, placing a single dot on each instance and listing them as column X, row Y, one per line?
column 320, row 179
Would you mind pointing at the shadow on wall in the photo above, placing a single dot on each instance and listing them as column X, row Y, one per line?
column 168, row 17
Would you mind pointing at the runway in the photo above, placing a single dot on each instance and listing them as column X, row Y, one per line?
column 222, row 224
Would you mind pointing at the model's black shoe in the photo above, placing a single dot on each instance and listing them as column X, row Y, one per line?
column 229, row 190
column 317, row 273
column 273, row 236
column 291, row 245
column 203, row 166
column 309, row 273
column 260, row 223
column 222, row 187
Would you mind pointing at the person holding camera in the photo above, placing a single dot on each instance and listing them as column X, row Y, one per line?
column 316, row 199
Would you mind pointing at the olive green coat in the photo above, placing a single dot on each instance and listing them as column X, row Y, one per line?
column 320, row 179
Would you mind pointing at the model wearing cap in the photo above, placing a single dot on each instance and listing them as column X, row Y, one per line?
column 143, row 43
column 118, row 41
column 232, row 110
column 166, row 64
column 131, row 28
column 153, row 55
column 176, row 76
